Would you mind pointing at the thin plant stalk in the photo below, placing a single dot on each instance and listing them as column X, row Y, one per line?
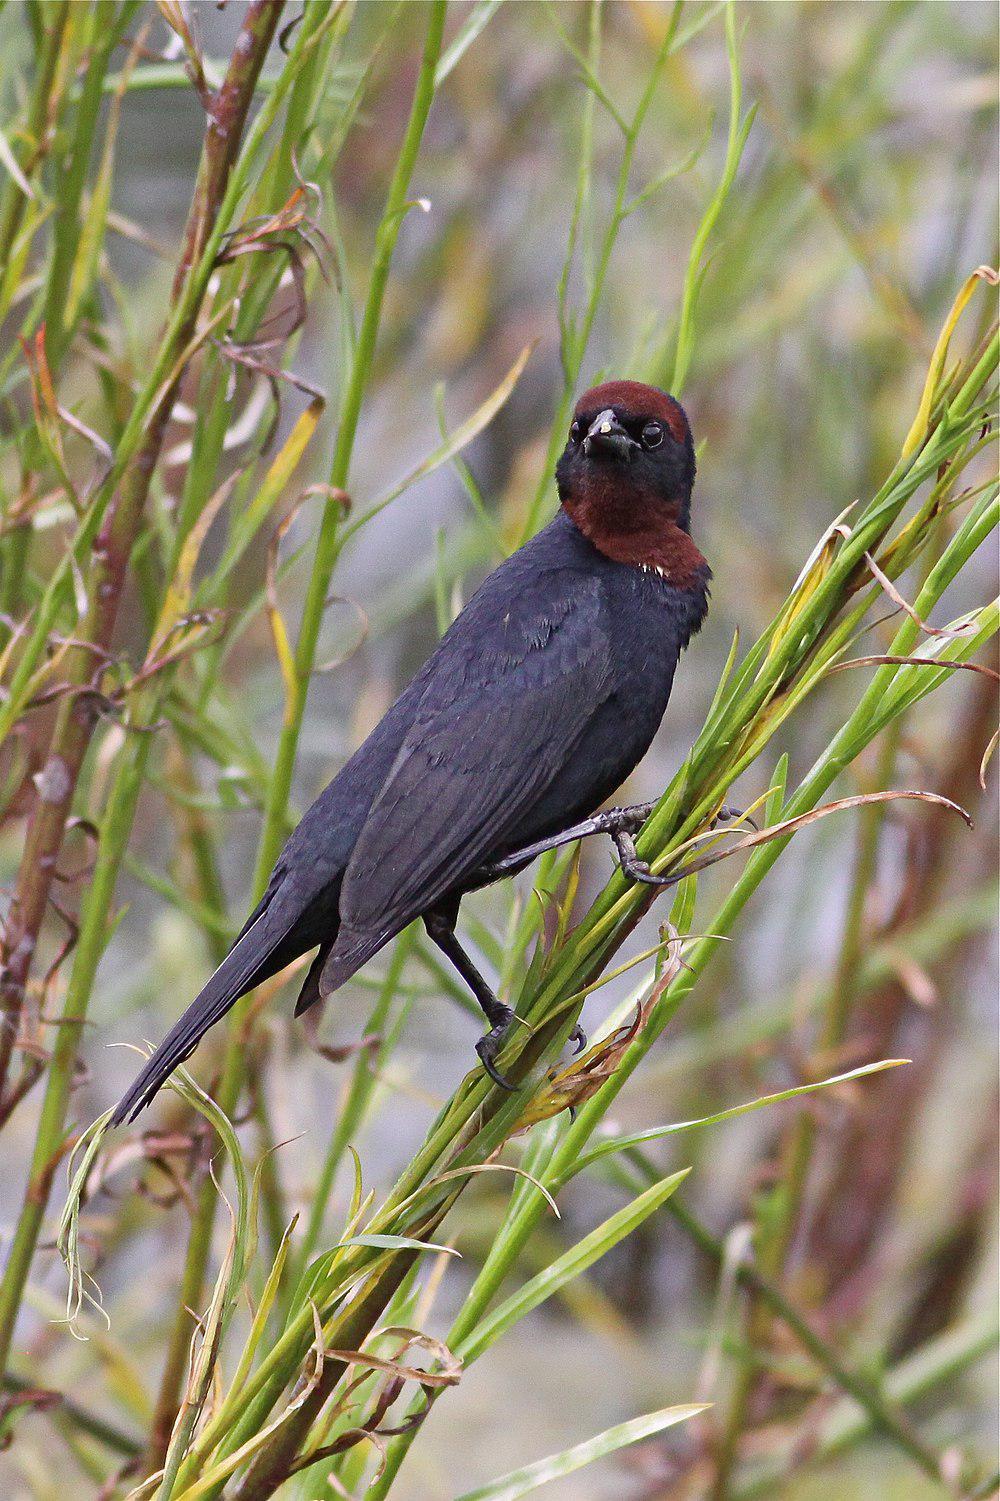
column 76, row 718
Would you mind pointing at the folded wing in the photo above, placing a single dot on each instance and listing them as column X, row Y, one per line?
column 495, row 728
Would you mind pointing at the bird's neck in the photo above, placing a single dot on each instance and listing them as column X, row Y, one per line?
column 649, row 536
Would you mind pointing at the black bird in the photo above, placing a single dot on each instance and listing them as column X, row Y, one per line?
column 539, row 700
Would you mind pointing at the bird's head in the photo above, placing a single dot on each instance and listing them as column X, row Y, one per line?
column 630, row 444
column 626, row 474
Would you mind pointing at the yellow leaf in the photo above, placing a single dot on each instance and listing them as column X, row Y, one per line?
column 918, row 431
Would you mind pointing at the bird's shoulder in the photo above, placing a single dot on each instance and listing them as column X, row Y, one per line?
column 543, row 610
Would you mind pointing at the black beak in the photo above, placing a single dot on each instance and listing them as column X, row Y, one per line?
column 607, row 437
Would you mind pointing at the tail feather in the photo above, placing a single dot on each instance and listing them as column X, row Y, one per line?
column 244, row 966
column 310, row 993
column 350, row 950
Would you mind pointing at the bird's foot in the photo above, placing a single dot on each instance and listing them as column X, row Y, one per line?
column 578, row 1038
column 628, row 820
column 491, row 1042
column 633, row 867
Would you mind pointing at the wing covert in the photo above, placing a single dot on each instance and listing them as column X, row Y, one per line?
column 494, row 727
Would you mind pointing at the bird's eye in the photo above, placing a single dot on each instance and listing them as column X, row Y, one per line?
column 652, row 435
column 576, row 431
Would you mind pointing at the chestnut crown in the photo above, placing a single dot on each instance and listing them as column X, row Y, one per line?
column 630, row 443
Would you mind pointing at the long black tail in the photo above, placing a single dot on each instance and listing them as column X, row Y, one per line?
column 258, row 952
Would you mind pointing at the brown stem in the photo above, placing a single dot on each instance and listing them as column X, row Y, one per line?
column 276, row 1461
column 112, row 549
column 859, row 1166
column 840, row 1244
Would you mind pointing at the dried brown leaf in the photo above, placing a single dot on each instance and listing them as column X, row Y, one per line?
column 968, row 628
column 890, row 661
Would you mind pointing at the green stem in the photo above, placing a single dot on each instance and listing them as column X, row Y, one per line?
column 933, row 1368
column 75, row 1415
column 54, row 17
column 328, row 541
column 76, row 719
column 881, row 1413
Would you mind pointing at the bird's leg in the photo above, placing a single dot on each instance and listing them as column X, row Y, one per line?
column 621, row 824
column 611, row 821
column 440, row 925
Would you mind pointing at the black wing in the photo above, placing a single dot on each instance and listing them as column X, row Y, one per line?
column 299, row 908
column 498, row 723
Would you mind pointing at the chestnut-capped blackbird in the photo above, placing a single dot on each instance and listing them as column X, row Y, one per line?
column 539, row 700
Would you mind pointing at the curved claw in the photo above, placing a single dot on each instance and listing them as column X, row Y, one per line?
column 638, row 870
column 579, row 1039
column 494, row 1073
column 489, row 1046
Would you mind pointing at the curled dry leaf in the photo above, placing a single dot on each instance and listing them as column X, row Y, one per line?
column 395, row 1376
column 395, row 1367
column 827, row 542
column 802, row 820
column 497, row 1167
column 890, row 661
column 987, row 758
column 62, row 954
column 192, row 1147
column 567, row 1088
column 417, row 1339
column 102, row 448
column 50, row 417
column 364, row 624
column 92, row 835
column 370, row 1044
column 287, row 31
column 331, row 493
column 30, row 1074
column 967, row 628
column 285, row 231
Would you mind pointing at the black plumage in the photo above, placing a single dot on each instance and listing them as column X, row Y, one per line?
column 538, row 701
